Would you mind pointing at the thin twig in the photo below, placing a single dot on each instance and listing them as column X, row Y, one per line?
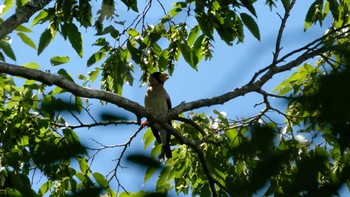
column 114, row 172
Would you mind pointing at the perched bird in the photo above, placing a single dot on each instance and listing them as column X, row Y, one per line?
column 158, row 100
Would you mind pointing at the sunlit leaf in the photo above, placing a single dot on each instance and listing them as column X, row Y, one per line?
column 58, row 60
column 101, row 180
column 26, row 40
column 8, row 5
column 42, row 15
column 149, row 173
column 148, row 137
column 32, row 65
column 46, row 187
column 193, row 35
column 22, row 28
column 133, row 32
column 93, row 74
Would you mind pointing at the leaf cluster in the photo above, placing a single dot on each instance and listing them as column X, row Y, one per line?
column 306, row 155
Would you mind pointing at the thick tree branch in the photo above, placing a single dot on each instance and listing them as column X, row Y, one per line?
column 249, row 87
column 70, row 86
column 137, row 109
column 21, row 16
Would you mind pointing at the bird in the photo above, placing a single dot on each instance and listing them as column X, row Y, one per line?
column 158, row 100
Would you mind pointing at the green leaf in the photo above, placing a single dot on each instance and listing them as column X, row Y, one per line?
column 78, row 103
column 45, row 187
column 57, row 90
column 205, row 26
column 22, row 28
column 82, row 77
column 93, row 74
column 232, row 135
column 26, row 40
column 101, row 180
column 133, row 32
column 111, row 30
column 250, row 23
column 83, row 165
column 148, row 137
column 149, row 173
column 197, row 47
column 32, row 65
column 58, row 60
column 74, row 37
column 13, row 192
column 95, row 58
column 249, row 5
column 64, row 73
column 162, row 183
column 188, row 56
column 334, row 7
column 193, row 34
column 310, row 16
column 42, row 15
column 163, row 60
column 8, row 5
column 286, row 3
column 134, row 52
column 173, row 12
column 6, row 48
column 45, row 39
column 131, row 4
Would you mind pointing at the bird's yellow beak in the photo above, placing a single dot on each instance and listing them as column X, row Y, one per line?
column 164, row 77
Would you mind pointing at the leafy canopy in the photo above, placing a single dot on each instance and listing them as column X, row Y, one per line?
column 213, row 155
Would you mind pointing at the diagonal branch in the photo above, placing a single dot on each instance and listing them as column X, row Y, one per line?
column 21, row 16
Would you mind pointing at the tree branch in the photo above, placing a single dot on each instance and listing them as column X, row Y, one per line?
column 280, row 32
column 21, row 16
column 70, row 86
column 183, row 140
column 137, row 109
column 96, row 124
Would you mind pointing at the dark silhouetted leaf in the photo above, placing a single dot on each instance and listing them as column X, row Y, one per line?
column 6, row 48
column 251, row 25
column 45, row 39
column 87, row 192
column 144, row 160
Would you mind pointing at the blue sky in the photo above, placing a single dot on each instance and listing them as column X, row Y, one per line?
column 230, row 67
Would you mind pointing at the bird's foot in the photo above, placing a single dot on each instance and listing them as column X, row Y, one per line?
column 144, row 123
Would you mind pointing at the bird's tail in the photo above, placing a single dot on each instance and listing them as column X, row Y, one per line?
column 166, row 146
column 167, row 151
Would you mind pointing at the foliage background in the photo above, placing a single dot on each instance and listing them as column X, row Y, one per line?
column 230, row 64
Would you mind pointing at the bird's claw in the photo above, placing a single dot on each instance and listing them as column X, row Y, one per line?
column 144, row 123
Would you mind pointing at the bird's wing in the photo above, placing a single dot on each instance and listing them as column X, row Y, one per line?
column 168, row 101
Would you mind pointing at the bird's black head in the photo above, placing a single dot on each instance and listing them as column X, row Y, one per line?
column 160, row 77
